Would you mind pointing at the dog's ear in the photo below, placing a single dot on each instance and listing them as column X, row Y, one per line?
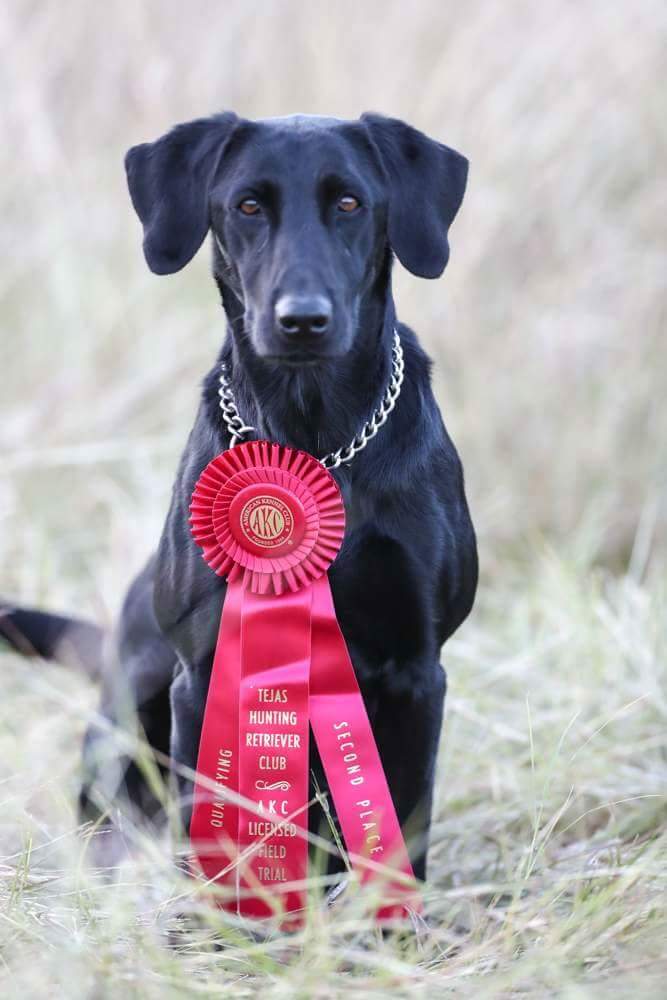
column 426, row 185
column 169, row 182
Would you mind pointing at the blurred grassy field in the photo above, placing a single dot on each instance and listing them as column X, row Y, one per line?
column 549, row 858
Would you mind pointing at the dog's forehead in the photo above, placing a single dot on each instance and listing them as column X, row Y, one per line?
column 302, row 133
column 301, row 123
column 295, row 145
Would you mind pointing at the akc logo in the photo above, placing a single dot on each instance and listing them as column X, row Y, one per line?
column 267, row 521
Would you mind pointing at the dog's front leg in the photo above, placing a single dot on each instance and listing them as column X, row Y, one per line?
column 188, row 604
column 188, row 699
column 407, row 723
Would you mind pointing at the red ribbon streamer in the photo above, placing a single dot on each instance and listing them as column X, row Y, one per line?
column 281, row 662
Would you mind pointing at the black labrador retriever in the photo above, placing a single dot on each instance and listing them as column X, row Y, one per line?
column 306, row 214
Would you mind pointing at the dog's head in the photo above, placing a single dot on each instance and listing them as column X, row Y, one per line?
column 304, row 211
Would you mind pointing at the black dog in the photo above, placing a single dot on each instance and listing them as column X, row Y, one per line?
column 306, row 214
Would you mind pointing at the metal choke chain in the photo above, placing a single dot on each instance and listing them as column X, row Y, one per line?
column 238, row 430
column 230, row 414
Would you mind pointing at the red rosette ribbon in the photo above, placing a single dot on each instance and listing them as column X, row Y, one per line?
column 268, row 516
column 271, row 520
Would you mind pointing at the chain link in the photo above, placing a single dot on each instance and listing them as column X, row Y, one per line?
column 238, row 429
column 230, row 414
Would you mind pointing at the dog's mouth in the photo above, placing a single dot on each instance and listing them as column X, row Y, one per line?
column 297, row 359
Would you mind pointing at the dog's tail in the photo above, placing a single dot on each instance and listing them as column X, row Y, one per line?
column 70, row 641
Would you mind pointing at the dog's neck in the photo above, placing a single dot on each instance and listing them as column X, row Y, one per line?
column 319, row 408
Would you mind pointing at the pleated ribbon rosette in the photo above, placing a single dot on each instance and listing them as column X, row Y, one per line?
column 271, row 520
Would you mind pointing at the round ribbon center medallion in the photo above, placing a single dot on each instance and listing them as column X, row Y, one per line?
column 266, row 519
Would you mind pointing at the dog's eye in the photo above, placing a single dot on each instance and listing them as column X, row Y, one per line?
column 249, row 206
column 348, row 203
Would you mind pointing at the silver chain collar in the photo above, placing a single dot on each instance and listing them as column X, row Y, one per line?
column 238, row 429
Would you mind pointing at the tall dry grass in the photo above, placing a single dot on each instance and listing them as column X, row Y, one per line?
column 548, row 859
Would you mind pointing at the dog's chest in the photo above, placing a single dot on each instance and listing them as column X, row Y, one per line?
column 382, row 581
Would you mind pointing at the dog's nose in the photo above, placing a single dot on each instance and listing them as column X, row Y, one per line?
column 303, row 315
